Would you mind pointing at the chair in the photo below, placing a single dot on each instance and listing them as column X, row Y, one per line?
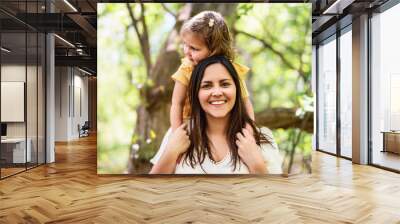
column 84, row 130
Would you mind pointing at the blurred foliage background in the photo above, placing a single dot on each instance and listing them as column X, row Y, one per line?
column 139, row 49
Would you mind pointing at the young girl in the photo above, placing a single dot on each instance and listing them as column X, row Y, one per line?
column 204, row 35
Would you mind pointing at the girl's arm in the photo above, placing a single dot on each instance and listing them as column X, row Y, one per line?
column 249, row 108
column 178, row 143
column 178, row 101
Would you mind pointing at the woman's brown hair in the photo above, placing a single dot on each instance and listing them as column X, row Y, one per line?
column 211, row 27
column 199, row 142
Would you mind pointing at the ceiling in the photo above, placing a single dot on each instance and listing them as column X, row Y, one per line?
column 328, row 16
column 74, row 22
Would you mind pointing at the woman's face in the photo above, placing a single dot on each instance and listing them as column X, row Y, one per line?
column 217, row 92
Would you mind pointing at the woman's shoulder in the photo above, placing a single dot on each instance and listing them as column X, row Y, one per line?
column 267, row 133
column 271, row 153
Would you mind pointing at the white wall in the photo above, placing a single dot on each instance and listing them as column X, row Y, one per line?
column 12, row 73
column 71, row 94
column 80, row 110
column 62, row 81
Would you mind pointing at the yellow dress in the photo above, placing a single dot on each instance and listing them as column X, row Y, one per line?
column 184, row 73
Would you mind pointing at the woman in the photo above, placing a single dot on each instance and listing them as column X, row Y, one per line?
column 220, row 138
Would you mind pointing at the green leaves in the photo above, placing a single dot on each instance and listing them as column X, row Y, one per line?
column 243, row 9
column 278, row 51
column 280, row 59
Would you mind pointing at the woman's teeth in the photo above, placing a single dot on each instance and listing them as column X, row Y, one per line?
column 217, row 102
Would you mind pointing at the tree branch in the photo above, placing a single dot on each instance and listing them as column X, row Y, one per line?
column 306, row 43
column 134, row 20
column 169, row 11
column 143, row 37
column 285, row 118
column 269, row 46
column 279, row 54
column 146, row 41
column 274, row 39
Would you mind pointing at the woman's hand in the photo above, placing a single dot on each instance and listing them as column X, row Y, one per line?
column 177, row 144
column 249, row 128
column 179, row 141
column 250, row 152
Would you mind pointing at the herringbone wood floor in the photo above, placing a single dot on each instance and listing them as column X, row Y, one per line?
column 69, row 191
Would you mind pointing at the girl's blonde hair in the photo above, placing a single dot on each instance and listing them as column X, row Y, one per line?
column 211, row 26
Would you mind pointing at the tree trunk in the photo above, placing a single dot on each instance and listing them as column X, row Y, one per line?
column 153, row 113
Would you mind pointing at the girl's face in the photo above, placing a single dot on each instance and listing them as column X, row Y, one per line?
column 217, row 92
column 194, row 47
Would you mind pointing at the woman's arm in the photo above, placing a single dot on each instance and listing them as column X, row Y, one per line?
column 166, row 164
column 178, row 101
column 177, row 144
